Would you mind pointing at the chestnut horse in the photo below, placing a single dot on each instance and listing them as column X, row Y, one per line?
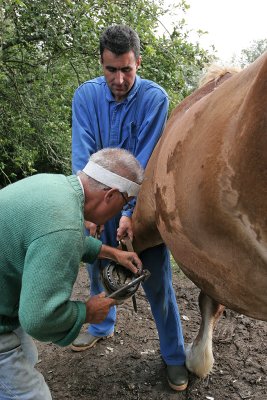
column 205, row 196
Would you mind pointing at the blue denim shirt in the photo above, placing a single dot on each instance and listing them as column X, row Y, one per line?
column 135, row 124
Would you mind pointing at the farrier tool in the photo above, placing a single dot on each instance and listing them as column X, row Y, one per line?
column 114, row 277
column 141, row 278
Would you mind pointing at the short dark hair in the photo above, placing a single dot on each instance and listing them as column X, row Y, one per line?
column 120, row 39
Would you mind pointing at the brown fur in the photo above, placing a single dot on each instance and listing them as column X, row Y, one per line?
column 205, row 190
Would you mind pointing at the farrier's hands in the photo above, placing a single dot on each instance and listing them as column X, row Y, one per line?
column 94, row 230
column 129, row 259
column 97, row 308
column 125, row 228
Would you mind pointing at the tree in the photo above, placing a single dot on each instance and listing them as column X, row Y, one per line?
column 49, row 47
column 255, row 50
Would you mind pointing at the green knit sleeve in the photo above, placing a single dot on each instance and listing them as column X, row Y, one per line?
column 92, row 248
column 50, row 270
column 69, row 338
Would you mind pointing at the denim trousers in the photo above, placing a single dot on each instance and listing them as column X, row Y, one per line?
column 18, row 377
column 159, row 292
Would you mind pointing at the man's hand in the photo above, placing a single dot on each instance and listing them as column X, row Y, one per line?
column 97, row 308
column 125, row 228
column 129, row 259
column 94, row 230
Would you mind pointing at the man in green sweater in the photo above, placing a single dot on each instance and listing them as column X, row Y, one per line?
column 42, row 242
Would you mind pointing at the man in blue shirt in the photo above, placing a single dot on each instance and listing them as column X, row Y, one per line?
column 122, row 110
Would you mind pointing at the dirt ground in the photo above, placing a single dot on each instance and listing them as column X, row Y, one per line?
column 129, row 365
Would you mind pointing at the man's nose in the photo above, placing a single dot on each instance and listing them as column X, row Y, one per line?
column 119, row 77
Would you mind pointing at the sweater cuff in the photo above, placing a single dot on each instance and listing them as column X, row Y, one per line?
column 80, row 320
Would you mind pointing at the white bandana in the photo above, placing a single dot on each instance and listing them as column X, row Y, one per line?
column 111, row 179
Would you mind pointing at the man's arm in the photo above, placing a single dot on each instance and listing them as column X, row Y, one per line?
column 149, row 132
column 83, row 137
column 51, row 266
column 151, row 128
column 50, row 270
column 128, row 259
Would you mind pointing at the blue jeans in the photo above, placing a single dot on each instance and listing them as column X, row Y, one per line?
column 18, row 377
column 159, row 292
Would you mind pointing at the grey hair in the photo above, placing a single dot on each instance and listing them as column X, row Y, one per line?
column 119, row 161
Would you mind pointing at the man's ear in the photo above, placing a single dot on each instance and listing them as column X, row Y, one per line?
column 138, row 62
column 109, row 195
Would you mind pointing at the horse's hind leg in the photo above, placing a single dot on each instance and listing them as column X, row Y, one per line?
column 199, row 357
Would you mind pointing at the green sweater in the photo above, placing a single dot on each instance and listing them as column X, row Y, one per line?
column 42, row 242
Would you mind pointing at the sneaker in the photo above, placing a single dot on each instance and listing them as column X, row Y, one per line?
column 85, row 341
column 177, row 376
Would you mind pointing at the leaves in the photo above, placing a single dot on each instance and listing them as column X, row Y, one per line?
column 255, row 50
column 49, row 47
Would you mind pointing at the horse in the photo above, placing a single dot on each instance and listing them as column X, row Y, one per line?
column 205, row 196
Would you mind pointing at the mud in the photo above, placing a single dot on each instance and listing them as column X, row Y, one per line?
column 129, row 365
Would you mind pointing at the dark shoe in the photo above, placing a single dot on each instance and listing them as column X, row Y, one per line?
column 177, row 376
column 85, row 341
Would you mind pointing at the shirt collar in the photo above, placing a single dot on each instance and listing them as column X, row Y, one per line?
column 80, row 182
column 131, row 94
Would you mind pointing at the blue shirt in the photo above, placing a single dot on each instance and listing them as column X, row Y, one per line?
column 135, row 124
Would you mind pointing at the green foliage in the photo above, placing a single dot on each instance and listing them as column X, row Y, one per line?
column 173, row 63
column 49, row 47
column 255, row 50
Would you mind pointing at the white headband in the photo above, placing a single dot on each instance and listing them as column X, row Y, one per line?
column 111, row 179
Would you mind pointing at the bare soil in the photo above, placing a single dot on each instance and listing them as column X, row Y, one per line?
column 129, row 365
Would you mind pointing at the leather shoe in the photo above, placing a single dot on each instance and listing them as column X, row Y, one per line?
column 85, row 341
column 177, row 376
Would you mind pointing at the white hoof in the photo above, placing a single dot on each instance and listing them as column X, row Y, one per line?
column 199, row 359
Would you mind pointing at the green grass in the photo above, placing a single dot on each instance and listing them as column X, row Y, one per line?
column 175, row 267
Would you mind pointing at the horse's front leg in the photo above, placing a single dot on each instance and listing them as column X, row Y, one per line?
column 199, row 355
